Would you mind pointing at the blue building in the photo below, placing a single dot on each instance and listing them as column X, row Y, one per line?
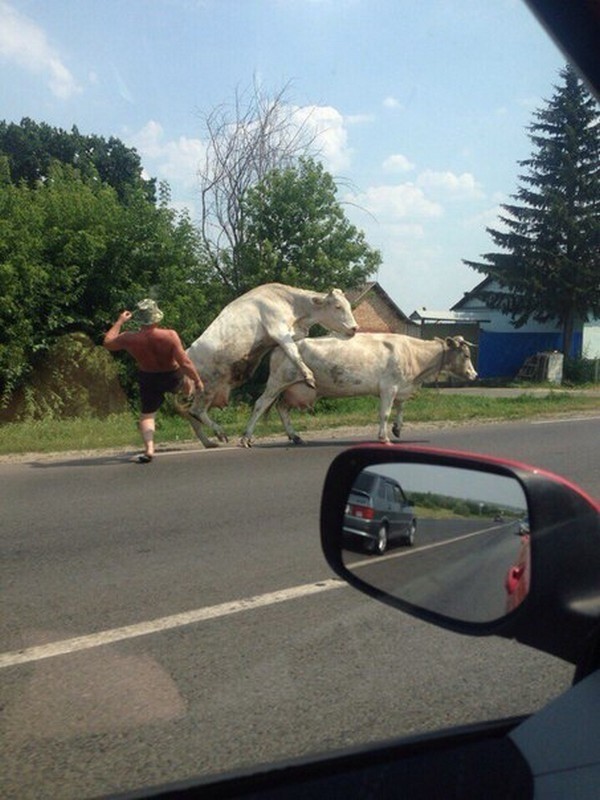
column 502, row 349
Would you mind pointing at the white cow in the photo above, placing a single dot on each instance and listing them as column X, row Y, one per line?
column 231, row 348
column 390, row 366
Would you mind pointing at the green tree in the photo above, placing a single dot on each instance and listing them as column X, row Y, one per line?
column 296, row 232
column 72, row 255
column 21, row 280
column 32, row 147
column 245, row 141
column 549, row 267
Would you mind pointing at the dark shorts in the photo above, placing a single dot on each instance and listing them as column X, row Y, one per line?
column 154, row 386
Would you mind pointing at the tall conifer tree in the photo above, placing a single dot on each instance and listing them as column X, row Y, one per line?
column 550, row 265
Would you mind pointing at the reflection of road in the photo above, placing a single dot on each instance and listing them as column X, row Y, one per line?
column 457, row 567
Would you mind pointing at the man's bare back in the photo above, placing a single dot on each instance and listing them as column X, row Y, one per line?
column 154, row 349
column 163, row 365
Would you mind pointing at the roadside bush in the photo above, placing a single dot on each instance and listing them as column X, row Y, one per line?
column 74, row 378
column 580, row 370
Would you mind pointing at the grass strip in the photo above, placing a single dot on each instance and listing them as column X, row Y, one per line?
column 429, row 405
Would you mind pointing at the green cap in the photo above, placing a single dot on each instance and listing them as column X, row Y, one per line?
column 147, row 312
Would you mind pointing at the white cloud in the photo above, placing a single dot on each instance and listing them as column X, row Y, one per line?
column 397, row 203
column 24, row 43
column 147, row 141
column 328, row 126
column 450, row 184
column 488, row 218
column 176, row 161
column 359, row 119
column 397, row 163
column 391, row 102
column 406, row 231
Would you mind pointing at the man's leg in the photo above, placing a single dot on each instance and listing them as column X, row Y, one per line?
column 147, row 431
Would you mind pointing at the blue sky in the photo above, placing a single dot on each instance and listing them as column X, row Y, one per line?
column 421, row 106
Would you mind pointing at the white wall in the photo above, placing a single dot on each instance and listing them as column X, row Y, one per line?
column 591, row 340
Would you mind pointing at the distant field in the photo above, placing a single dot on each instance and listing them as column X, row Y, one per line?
column 430, row 405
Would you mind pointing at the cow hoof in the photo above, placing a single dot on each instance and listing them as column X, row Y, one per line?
column 245, row 441
column 396, row 431
column 309, row 379
column 297, row 440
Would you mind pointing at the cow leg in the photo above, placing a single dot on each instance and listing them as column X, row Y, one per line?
column 399, row 421
column 197, row 416
column 386, row 399
column 198, row 429
column 284, row 414
column 185, row 411
column 262, row 405
column 290, row 348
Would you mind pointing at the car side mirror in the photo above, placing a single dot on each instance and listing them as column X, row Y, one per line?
column 449, row 555
column 488, row 547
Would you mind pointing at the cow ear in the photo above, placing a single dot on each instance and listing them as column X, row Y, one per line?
column 317, row 301
column 452, row 344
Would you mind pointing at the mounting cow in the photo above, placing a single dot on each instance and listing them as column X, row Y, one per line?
column 268, row 316
column 390, row 366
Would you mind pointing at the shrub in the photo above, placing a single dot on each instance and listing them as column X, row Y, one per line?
column 580, row 370
column 74, row 378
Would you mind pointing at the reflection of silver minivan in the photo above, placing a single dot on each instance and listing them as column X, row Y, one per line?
column 378, row 512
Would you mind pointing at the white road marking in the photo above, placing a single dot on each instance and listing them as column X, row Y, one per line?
column 556, row 421
column 66, row 646
column 421, row 548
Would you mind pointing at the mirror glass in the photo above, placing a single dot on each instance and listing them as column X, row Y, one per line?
column 453, row 541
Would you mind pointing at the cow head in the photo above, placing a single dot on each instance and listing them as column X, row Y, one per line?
column 333, row 311
column 457, row 358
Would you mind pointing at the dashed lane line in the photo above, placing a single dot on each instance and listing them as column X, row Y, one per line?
column 66, row 646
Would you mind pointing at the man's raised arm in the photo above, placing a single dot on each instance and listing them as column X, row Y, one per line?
column 115, row 331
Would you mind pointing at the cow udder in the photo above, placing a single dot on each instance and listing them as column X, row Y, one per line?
column 300, row 395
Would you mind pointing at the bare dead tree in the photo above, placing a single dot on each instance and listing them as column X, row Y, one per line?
column 245, row 141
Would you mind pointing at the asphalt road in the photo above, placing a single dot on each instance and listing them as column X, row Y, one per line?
column 176, row 619
column 456, row 567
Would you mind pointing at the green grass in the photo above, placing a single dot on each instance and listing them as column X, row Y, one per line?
column 120, row 431
column 430, row 406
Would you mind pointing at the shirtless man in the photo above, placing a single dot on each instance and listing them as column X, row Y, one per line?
column 163, row 365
